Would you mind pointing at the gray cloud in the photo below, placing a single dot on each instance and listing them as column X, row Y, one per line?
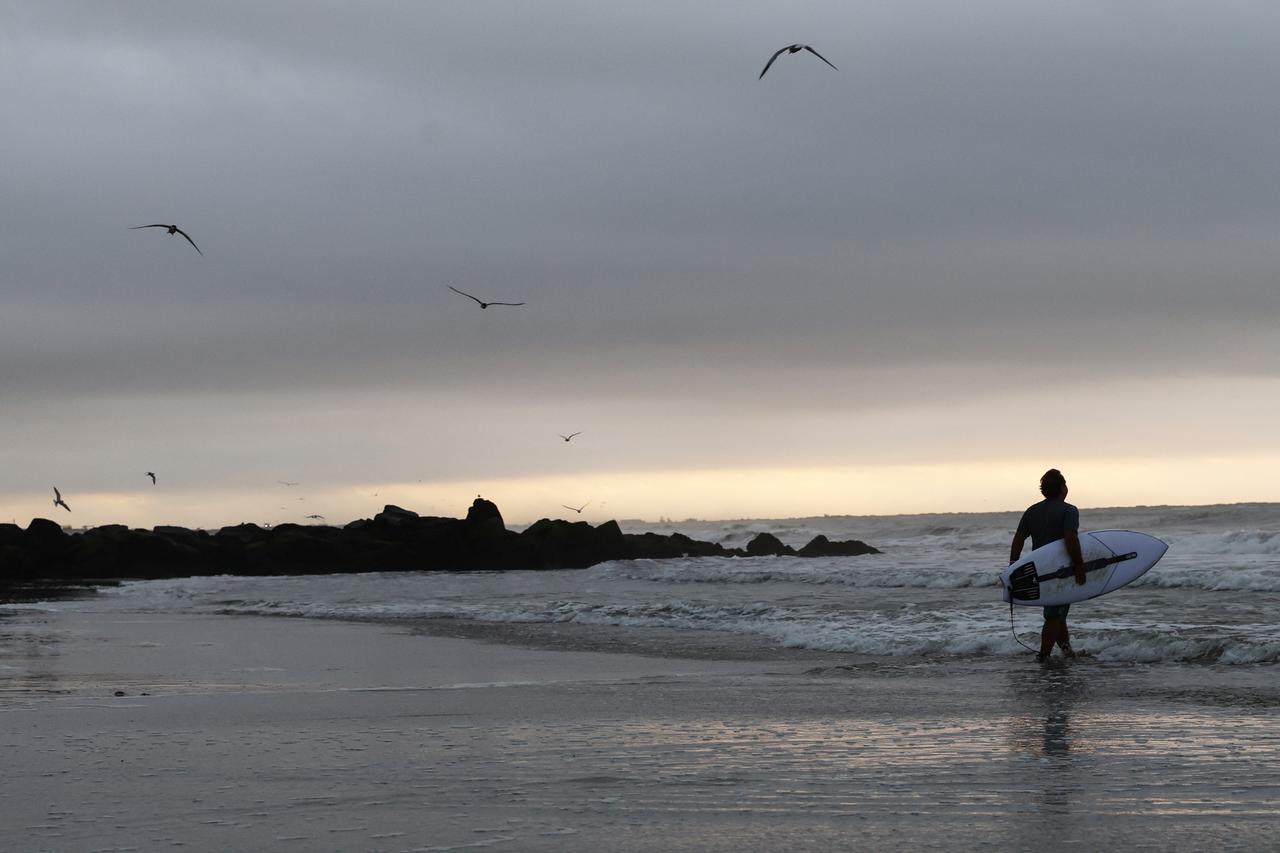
column 978, row 193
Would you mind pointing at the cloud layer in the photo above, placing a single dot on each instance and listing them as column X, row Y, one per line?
column 995, row 206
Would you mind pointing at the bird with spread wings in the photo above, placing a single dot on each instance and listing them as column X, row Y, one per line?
column 481, row 302
column 793, row 48
column 172, row 229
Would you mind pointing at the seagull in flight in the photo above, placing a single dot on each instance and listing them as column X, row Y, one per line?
column 58, row 501
column 286, row 483
column 793, row 48
column 321, row 517
column 577, row 509
column 173, row 229
column 152, row 475
column 570, row 436
column 479, row 302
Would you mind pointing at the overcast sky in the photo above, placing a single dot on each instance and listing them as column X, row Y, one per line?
column 1003, row 236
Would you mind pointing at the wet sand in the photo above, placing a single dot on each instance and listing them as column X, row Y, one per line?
column 262, row 733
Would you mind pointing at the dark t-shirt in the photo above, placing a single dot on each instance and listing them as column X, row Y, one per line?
column 1046, row 521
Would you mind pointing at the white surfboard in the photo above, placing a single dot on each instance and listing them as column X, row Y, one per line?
column 1112, row 558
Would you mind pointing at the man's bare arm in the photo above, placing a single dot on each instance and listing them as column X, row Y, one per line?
column 1015, row 550
column 1072, row 540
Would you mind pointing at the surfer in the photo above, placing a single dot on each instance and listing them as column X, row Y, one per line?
column 1048, row 521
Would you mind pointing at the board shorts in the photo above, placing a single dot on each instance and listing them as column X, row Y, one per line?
column 1057, row 611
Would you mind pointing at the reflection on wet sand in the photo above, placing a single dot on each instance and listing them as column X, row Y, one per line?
column 1044, row 700
column 28, row 648
column 27, row 662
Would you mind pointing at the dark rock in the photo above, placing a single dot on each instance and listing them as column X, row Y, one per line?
column 242, row 533
column 573, row 545
column 396, row 539
column 655, row 546
column 45, row 534
column 303, row 549
column 392, row 514
column 183, row 536
column 821, row 546
column 768, row 545
column 47, row 546
column 15, row 564
column 10, row 534
column 101, row 552
column 483, row 512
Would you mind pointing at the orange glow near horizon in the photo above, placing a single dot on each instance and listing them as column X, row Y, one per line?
column 722, row 493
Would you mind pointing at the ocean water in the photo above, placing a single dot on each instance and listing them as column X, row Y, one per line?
column 932, row 595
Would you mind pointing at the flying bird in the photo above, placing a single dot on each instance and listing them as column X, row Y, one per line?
column 577, row 509
column 286, row 483
column 321, row 517
column 58, row 501
column 173, row 229
column 792, row 48
column 152, row 475
column 571, row 435
column 479, row 302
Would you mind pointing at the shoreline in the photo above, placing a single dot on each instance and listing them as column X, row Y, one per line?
column 645, row 641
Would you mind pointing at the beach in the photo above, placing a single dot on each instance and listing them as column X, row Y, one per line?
column 252, row 732
column 350, row 352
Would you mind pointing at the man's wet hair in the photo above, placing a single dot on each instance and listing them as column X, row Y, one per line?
column 1052, row 483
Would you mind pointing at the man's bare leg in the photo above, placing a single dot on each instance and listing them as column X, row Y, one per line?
column 1064, row 640
column 1049, row 636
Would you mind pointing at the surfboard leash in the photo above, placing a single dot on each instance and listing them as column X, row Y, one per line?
column 1015, row 631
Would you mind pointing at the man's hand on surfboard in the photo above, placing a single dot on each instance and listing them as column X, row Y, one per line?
column 1080, row 577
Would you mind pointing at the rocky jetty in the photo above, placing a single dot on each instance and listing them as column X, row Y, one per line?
column 395, row 539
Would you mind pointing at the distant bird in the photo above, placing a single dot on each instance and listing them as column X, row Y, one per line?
column 286, row 483
column 570, row 436
column 321, row 517
column 577, row 509
column 58, row 501
column 793, row 48
column 173, row 229
column 152, row 475
column 482, row 304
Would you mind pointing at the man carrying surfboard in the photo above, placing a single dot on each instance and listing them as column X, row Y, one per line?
column 1048, row 521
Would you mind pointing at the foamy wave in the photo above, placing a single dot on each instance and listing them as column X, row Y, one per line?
column 917, row 634
column 1259, row 575
column 1227, row 579
column 29, row 607
column 1150, row 647
column 1253, row 541
column 851, row 571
